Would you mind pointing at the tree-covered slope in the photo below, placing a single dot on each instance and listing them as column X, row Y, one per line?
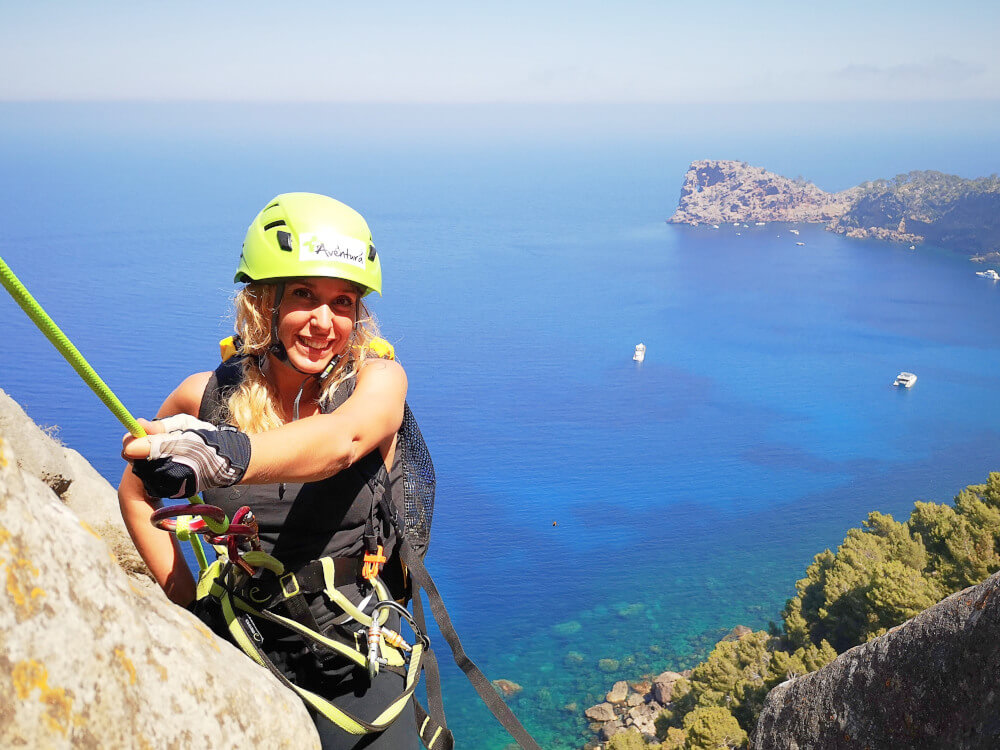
column 882, row 574
column 939, row 208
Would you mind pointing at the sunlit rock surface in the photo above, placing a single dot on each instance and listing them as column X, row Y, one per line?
column 92, row 658
column 933, row 682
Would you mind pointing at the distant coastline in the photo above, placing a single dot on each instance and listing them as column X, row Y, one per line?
column 918, row 207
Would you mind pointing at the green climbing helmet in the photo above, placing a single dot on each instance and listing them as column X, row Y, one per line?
column 305, row 234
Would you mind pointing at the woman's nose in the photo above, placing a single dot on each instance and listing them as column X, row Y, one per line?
column 322, row 317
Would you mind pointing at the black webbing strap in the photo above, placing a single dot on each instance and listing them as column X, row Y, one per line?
column 435, row 700
column 483, row 686
column 433, row 735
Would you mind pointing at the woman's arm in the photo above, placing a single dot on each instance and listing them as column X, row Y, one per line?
column 159, row 549
column 319, row 446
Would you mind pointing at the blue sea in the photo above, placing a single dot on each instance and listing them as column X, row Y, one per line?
column 589, row 507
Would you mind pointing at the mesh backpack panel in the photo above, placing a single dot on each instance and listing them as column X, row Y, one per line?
column 418, row 483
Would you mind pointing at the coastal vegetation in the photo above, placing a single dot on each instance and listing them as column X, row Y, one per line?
column 882, row 574
column 939, row 208
column 920, row 206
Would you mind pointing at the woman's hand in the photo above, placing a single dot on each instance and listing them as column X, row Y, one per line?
column 181, row 456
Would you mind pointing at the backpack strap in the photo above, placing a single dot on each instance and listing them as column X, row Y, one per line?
column 422, row 579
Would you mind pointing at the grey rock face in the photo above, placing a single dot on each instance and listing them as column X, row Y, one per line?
column 37, row 453
column 933, row 682
column 89, row 659
column 78, row 484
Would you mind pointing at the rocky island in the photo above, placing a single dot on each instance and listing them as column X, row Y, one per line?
column 941, row 209
column 722, row 192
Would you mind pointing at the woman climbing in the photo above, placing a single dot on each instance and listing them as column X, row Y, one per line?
column 300, row 426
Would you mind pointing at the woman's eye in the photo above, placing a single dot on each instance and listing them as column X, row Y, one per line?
column 302, row 292
column 344, row 302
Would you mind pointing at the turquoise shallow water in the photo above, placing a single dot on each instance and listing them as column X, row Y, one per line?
column 589, row 508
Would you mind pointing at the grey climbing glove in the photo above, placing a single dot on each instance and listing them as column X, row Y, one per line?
column 191, row 457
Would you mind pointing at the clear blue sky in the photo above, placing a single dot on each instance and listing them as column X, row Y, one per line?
column 516, row 51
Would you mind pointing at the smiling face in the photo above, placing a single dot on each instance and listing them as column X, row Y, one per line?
column 315, row 320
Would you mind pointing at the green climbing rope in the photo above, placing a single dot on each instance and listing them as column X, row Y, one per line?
column 72, row 355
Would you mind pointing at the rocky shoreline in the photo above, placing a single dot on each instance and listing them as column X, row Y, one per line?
column 945, row 210
column 633, row 705
column 636, row 705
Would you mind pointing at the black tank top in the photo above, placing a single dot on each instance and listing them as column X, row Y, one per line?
column 304, row 522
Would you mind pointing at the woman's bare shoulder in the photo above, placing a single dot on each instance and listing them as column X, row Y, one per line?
column 386, row 372
column 186, row 398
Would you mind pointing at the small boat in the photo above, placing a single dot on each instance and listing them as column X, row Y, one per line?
column 761, row 224
column 794, row 231
column 905, row 379
column 640, row 352
column 989, row 273
column 715, row 226
column 736, row 223
column 800, row 244
column 746, row 226
column 913, row 247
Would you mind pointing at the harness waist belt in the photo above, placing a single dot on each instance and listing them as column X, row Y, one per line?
column 347, row 570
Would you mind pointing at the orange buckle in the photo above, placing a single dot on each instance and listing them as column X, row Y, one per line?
column 373, row 562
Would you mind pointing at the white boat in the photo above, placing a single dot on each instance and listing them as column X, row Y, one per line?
column 715, row 226
column 989, row 273
column 736, row 223
column 800, row 244
column 913, row 247
column 761, row 224
column 640, row 352
column 905, row 379
column 794, row 231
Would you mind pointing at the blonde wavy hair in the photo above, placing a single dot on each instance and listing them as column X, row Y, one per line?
column 254, row 405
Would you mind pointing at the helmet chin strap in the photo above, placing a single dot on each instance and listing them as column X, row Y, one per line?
column 319, row 379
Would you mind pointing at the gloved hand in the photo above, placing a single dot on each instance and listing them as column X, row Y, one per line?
column 191, row 457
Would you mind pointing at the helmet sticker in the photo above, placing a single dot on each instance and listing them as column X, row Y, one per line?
column 338, row 247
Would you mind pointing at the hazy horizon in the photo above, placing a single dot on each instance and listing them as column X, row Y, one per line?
column 448, row 51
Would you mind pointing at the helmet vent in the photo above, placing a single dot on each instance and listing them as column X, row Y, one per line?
column 371, row 253
column 273, row 224
column 285, row 240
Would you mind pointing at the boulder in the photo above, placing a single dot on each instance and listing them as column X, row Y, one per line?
column 736, row 633
column 634, row 699
column 642, row 686
column 507, row 688
column 610, row 729
column 618, row 693
column 929, row 683
column 663, row 686
column 90, row 659
column 601, row 712
column 643, row 718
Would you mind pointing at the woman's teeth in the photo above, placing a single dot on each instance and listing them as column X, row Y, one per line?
column 314, row 344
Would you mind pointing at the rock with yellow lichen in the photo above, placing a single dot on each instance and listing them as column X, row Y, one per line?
column 74, row 480
column 90, row 658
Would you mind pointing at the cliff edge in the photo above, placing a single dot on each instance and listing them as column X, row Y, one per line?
column 91, row 654
column 932, row 682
